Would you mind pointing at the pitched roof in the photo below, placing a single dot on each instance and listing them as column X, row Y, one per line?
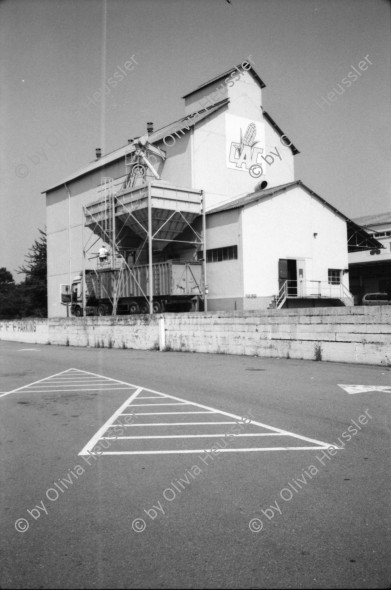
column 358, row 238
column 280, row 133
column 228, row 73
column 184, row 123
column 377, row 219
column 252, row 197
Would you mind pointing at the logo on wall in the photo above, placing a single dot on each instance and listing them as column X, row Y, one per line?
column 245, row 153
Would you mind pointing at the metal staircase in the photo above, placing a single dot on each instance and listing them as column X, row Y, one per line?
column 311, row 290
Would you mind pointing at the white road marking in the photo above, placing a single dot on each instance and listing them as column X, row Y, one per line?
column 173, row 424
column 352, row 389
column 72, row 387
column 47, row 387
column 181, row 451
column 166, row 413
column 70, row 390
column 191, row 435
column 167, row 404
column 150, row 397
column 33, row 349
column 92, row 443
column 204, row 410
column 25, row 386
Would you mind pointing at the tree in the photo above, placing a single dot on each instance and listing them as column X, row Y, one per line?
column 6, row 280
column 8, row 298
column 33, row 289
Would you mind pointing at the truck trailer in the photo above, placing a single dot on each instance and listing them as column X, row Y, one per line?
column 177, row 286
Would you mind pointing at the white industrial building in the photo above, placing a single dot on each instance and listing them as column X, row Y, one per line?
column 216, row 186
column 370, row 270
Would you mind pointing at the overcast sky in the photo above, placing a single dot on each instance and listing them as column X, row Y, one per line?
column 55, row 54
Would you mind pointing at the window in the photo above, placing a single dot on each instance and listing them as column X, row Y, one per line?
column 334, row 276
column 382, row 234
column 220, row 254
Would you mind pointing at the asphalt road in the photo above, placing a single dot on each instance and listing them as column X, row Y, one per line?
column 269, row 506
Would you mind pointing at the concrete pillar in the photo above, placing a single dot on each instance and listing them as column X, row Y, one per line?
column 162, row 334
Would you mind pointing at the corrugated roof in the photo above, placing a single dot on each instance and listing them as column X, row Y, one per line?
column 184, row 123
column 228, row 73
column 377, row 219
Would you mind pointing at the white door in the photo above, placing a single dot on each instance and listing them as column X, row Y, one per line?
column 301, row 278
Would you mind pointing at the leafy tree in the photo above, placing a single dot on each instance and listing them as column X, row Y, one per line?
column 8, row 298
column 6, row 280
column 33, row 290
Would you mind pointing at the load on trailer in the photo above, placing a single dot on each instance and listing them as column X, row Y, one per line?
column 176, row 287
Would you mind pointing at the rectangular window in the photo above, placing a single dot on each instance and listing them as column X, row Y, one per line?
column 382, row 234
column 219, row 254
column 334, row 276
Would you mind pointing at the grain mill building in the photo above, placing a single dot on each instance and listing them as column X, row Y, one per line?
column 215, row 188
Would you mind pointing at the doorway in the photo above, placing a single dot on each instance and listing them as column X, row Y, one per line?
column 287, row 271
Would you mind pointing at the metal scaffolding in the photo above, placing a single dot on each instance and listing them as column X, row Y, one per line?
column 145, row 219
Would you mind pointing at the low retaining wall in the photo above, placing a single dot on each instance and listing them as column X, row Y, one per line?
column 342, row 334
column 32, row 330
column 140, row 332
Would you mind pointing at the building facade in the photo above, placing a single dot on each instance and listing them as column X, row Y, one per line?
column 370, row 270
column 265, row 232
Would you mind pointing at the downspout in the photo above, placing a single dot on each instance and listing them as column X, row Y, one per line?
column 69, row 242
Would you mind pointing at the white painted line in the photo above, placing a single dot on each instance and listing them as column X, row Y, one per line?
column 305, row 438
column 320, row 444
column 174, row 424
column 182, row 451
column 33, row 349
column 167, row 404
column 192, row 436
column 80, row 381
column 33, row 383
column 122, row 382
column 94, row 440
column 352, row 389
column 71, row 387
column 150, row 397
column 166, row 413
column 80, row 390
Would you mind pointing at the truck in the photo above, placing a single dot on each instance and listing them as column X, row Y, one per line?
column 177, row 286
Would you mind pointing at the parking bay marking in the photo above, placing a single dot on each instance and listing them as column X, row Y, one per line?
column 352, row 389
column 104, row 432
column 71, row 383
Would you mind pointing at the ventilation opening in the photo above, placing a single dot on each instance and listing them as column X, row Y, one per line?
column 261, row 185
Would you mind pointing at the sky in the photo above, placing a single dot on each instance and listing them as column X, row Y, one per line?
column 55, row 54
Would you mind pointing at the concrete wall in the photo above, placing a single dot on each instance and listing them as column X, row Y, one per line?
column 35, row 331
column 354, row 335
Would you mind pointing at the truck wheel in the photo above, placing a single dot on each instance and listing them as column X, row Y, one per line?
column 134, row 307
column 77, row 312
column 156, row 307
column 144, row 307
column 102, row 310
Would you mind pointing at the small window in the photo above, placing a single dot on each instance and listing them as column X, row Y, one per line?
column 334, row 276
column 221, row 254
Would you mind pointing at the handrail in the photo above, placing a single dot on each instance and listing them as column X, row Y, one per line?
column 311, row 288
column 282, row 295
